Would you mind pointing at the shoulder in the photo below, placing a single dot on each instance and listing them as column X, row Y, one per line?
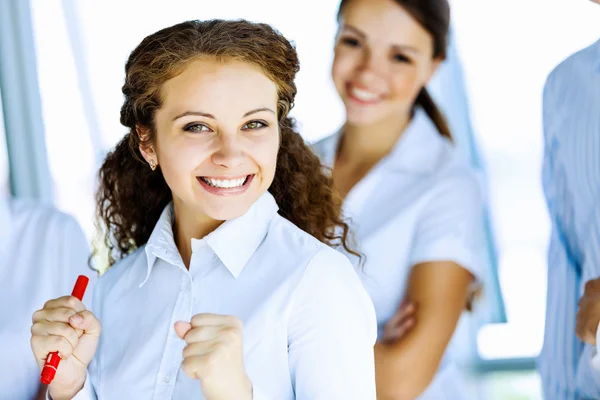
column 323, row 147
column 455, row 178
column 322, row 263
column 131, row 266
column 332, row 284
column 44, row 219
column 573, row 69
column 290, row 239
column 331, row 266
column 452, row 193
column 311, row 255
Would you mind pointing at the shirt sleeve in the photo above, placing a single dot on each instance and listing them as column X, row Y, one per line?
column 332, row 331
column 86, row 393
column 258, row 395
column 450, row 226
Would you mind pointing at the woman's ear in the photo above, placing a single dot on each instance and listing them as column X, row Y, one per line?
column 146, row 148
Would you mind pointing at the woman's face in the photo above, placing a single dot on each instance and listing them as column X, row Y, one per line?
column 217, row 137
column 383, row 58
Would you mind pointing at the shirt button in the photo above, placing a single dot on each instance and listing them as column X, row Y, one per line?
column 168, row 378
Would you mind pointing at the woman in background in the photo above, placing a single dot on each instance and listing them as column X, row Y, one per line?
column 415, row 204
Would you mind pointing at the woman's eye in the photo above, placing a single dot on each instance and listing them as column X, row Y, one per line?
column 401, row 58
column 350, row 42
column 253, row 125
column 197, row 128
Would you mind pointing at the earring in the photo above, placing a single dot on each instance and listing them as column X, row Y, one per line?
column 152, row 165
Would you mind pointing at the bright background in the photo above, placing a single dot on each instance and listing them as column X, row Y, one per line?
column 505, row 51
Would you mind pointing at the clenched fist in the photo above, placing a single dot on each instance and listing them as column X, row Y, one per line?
column 214, row 356
column 64, row 325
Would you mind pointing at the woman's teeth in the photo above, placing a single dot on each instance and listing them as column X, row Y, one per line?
column 225, row 183
column 363, row 95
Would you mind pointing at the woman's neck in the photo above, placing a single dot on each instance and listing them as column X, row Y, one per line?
column 190, row 224
column 370, row 143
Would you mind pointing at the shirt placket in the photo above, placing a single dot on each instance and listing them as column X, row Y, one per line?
column 172, row 355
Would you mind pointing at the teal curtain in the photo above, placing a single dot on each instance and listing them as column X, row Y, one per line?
column 21, row 106
column 449, row 90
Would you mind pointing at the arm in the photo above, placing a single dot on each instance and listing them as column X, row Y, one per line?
column 331, row 332
column 405, row 368
column 446, row 256
column 561, row 350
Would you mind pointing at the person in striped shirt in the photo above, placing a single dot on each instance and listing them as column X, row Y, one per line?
column 571, row 180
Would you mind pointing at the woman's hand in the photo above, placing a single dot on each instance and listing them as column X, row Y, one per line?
column 214, row 356
column 400, row 323
column 588, row 315
column 64, row 325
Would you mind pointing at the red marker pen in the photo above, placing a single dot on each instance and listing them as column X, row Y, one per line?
column 53, row 359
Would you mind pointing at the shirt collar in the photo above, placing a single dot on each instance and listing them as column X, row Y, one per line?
column 418, row 151
column 161, row 243
column 5, row 222
column 234, row 242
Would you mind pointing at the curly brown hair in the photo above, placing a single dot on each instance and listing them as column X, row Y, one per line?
column 131, row 196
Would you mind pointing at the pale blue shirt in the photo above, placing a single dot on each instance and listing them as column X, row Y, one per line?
column 309, row 325
column 42, row 251
column 571, row 177
column 420, row 203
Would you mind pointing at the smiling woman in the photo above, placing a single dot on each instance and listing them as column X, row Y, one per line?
column 221, row 115
column 415, row 204
column 219, row 216
column 217, row 153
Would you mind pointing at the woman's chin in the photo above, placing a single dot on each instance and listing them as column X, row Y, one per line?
column 225, row 212
column 364, row 117
column 224, row 208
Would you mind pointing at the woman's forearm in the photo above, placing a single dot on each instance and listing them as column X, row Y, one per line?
column 404, row 369
column 401, row 372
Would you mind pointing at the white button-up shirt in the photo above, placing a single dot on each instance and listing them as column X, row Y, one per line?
column 421, row 203
column 42, row 251
column 309, row 325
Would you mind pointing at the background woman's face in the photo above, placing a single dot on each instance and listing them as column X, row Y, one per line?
column 383, row 58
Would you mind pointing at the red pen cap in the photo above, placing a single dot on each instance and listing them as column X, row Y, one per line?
column 50, row 368
column 80, row 286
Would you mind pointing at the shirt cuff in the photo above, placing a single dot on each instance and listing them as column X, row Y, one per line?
column 86, row 393
column 258, row 395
